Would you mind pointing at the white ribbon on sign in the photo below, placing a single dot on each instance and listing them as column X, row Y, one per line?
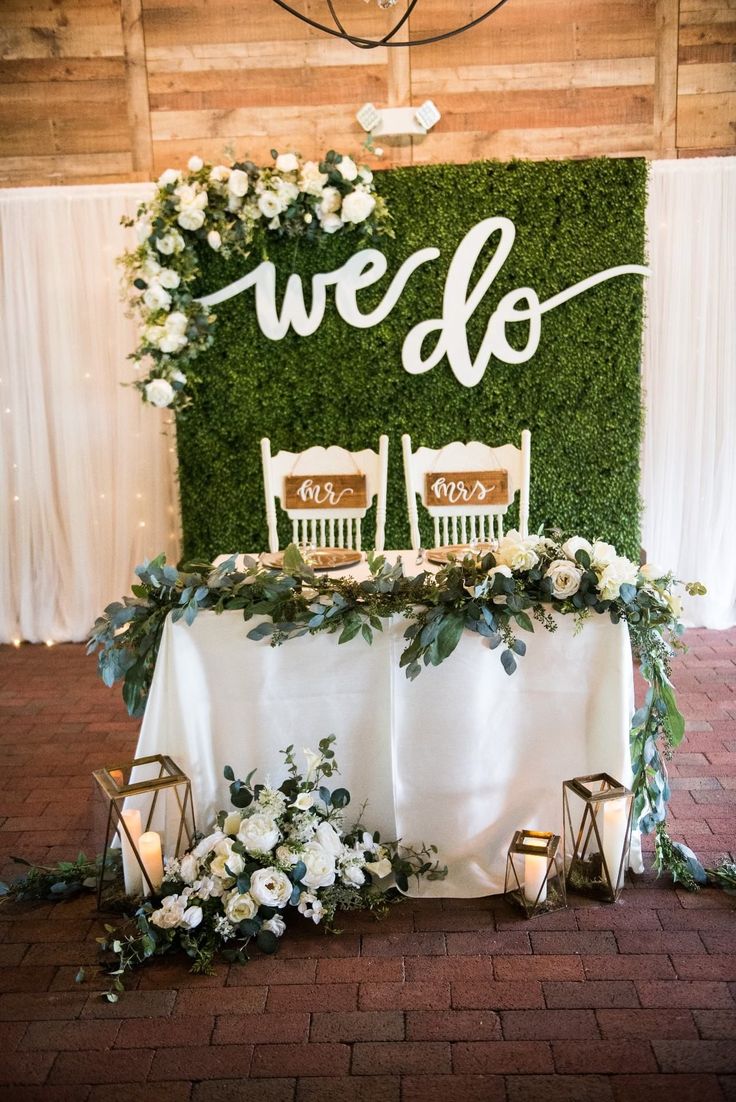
column 368, row 266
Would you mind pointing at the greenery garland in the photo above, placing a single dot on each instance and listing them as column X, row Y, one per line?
column 497, row 595
column 229, row 210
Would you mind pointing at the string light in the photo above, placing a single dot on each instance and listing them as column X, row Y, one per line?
column 49, row 642
column 16, row 643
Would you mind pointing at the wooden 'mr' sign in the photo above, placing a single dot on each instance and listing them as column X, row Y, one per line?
column 325, row 491
column 463, row 488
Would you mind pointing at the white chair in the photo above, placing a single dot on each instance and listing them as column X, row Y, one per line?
column 333, row 526
column 461, row 523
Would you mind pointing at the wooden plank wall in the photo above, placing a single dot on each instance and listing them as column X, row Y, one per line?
column 102, row 90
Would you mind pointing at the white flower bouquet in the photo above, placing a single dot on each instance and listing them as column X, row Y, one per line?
column 224, row 209
column 282, row 852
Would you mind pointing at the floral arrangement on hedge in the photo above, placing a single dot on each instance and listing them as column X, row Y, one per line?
column 282, row 852
column 499, row 595
column 228, row 209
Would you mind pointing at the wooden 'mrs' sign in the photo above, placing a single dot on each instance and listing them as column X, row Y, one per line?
column 466, row 488
column 325, row 491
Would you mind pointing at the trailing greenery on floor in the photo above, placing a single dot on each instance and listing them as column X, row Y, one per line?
column 497, row 595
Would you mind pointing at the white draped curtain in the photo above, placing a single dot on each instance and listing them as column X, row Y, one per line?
column 86, row 471
column 689, row 457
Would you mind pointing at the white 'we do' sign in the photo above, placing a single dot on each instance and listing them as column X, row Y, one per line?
column 460, row 302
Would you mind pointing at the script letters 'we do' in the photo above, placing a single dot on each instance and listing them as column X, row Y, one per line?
column 460, row 302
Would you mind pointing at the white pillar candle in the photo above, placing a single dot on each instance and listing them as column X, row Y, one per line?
column 535, row 872
column 131, row 869
column 615, row 821
column 149, row 847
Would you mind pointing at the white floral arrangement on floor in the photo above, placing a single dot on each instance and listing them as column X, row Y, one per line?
column 282, row 852
column 225, row 209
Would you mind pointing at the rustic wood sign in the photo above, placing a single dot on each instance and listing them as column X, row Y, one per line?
column 466, row 488
column 325, row 491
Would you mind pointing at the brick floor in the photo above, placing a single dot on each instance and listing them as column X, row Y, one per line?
column 454, row 1000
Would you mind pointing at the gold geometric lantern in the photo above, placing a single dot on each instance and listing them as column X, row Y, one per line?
column 155, row 776
column 535, row 873
column 596, row 827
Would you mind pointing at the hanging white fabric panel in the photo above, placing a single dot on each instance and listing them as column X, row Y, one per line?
column 689, row 462
column 86, row 470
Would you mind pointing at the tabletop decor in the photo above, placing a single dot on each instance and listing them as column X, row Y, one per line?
column 499, row 595
column 141, row 782
column 535, row 872
column 229, row 209
column 596, row 827
column 277, row 853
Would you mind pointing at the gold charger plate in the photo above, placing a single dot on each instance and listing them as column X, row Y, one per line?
column 321, row 558
column 441, row 555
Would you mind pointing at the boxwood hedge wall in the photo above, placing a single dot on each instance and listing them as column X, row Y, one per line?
column 579, row 394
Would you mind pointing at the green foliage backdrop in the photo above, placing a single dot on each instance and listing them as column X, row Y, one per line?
column 579, row 394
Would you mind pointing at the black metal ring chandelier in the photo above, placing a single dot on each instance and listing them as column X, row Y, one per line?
column 388, row 39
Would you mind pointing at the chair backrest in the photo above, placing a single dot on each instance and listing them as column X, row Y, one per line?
column 315, row 487
column 467, row 488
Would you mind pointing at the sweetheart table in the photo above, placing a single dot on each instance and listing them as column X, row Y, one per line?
column 462, row 757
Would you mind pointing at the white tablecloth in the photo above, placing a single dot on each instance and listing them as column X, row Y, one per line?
column 463, row 756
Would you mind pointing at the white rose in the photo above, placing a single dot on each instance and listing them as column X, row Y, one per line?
column 170, row 913
column 331, row 200
column 379, row 868
column 619, row 572
column 517, row 552
column 259, row 833
column 172, row 342
column 329, row 839
column 240, row 906
column 156, row 298
column 348, row 169
column 357, row 206
column 168, row 278
column 154, row 334
column 170, row 243
column 651, row 572
column 227, row 864
column 214, row 240
column 287, row 192
column 275, row 926
column 287, row 162
column 270, row 205
column 232, row 823
column 185, row 195
column 365, row 174
column 234, row 203
column 177, row 322
column 311, row 179
column 602, row 555
column 220, row 173
column 320, row 866
column 237, row 183
column 331, row 223
column 207, row 844
column 575, row 544
column 353, row 874
column 195, row 164
column 178, row 377
column 170, row 176
column 191, row 917
column 270, row 888
column 188, row 868
column 159, row 392
column 565, row 577
column 191, row 218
